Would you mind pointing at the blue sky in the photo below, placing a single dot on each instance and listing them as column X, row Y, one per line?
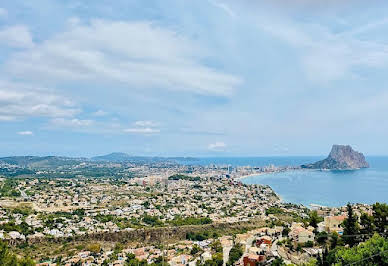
column 193, row 78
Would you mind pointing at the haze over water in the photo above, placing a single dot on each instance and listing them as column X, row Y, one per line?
column 328, row 188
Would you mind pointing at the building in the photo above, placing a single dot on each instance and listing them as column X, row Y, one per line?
column 253, row 260
column 334, row 224
column 301, row 235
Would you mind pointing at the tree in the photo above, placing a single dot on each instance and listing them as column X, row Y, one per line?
column 309, row 244
column 380, row 216
column 286, row 231
column 94, row 248
column 327, row 258
column 351, row 227
column 217, row 260
column 196, row 249
column 9, row 259
column 26, row 262
column 216, row 246
column 372, row 252
column 235, row 254
column 278, row 262
column 322, row 237
column 314, row 219
column 335, row 240
column 367, row 225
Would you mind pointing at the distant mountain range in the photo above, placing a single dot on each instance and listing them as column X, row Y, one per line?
column 40, row 162
column 124, row 157
column 35, row 162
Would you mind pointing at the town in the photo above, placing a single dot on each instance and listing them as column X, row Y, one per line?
column 150, row 213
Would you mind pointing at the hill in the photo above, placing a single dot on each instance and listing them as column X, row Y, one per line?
column 341, row 157
column 35, row 162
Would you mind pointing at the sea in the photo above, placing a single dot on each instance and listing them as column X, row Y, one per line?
column 321, row 187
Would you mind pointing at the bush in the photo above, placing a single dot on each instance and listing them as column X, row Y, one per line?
column 309, row 244
column 94, row 248
column 184, row 177
column 235, row 254
column 200, row 236
column 322, row 237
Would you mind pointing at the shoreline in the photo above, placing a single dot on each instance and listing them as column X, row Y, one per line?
column 246, row 176
column 314, row 203
column 273, row 172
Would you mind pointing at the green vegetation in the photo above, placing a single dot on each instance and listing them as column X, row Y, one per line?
column 217, row 260
column 9, row 188
column 94, row 248
column 22, row 228
column 200, row 236
column 351, row 227
column 314, row 219
column 235, row 254
column 380, row 216
column 216, row 246
column 184, row 177
column 278, row 262
column 9, row 259
column 121, row 222
column 274, row 210
column 15, row 172
column 152, row 220
column 132, row 261
column 179, row 221
column 195, row 250
column 322, row 237
column 372, row 252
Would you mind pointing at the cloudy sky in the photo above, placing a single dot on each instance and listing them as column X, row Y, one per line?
column 197, row 78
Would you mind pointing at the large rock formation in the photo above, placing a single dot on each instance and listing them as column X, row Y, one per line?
column 341, row 157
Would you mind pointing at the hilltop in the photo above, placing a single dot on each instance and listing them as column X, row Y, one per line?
column 341, row 157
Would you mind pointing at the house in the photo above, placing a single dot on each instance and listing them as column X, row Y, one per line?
column 206, row 256
column 253, row 259
column 266, row 240
column 334, row 224
column 301, row 235
column 180, row 260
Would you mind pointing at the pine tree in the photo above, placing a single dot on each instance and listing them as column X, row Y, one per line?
column 380, row 215
column 351, row 227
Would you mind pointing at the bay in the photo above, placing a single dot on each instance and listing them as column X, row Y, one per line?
column 327, row 188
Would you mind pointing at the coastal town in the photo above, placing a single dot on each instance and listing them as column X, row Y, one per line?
column 161, row 213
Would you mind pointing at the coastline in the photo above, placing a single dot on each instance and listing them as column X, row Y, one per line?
column 259, row 174
column 272, row 172
column 246, row 176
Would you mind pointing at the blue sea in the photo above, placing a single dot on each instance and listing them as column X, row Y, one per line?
column 327, row 188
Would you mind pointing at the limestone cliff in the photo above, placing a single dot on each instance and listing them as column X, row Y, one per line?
column 341, row 157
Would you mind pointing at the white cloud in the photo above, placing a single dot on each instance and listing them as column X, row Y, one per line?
column 73, row 21
column 145, row 131
column 146, row 124
column 144, row 127
column 71, row 123
column 100, row 113
column 3, row 12
column 224, row 7
column 25, row 133
column 17, row 36
column 218, row 146
column 327, row 55
column 19, row 101
column 139, row 55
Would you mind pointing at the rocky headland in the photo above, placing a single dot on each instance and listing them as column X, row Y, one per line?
column 341, row 157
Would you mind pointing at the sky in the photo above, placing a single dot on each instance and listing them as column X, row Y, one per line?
column 193, row 78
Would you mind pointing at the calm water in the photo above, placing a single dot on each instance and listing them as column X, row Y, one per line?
column 329, row 188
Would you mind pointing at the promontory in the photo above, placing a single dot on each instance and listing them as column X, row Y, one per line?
column 341, row 157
